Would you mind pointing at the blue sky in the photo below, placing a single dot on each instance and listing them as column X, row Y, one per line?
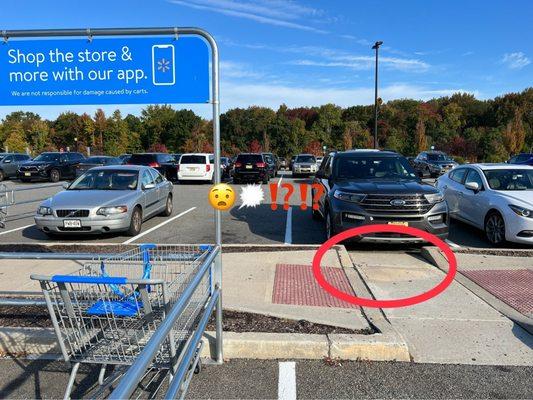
column 306, row 53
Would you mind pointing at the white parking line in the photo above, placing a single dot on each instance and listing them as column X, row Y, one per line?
column 140, row 235
column 16, row 229
column 452, row 244
column 288, row 227
column 287, row 381
column 280, row 179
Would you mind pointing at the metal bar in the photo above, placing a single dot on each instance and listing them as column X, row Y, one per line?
column 25, row 202
column 190, row 351
column 24, row 189
column 5, row 255
column 135, row 373
column 25, row 33
column 15, row 302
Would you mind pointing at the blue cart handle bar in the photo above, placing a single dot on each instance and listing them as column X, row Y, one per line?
column 103, row 280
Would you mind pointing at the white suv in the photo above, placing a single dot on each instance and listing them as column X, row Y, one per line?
column 196, row 167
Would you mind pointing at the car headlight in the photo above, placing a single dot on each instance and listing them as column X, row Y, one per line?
column 521, row 211
column 112, row 210
column 42, row 210
column 434, row 198
column 351, row 197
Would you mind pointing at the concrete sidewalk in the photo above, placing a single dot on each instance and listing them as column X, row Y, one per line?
column 454, row 327
column 250, row 284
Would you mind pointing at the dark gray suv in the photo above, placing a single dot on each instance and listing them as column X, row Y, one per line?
column 9, row 164
column 377, row 187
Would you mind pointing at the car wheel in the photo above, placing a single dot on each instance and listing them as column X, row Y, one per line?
column 2, row 175
column 329, row 225
column 495, row 228
column 136, row 222
column 54, row 175
column 168, row 207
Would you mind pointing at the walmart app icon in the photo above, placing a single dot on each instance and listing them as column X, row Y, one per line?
column 163, row 68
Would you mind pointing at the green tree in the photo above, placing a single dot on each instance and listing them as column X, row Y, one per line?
column 16, row 142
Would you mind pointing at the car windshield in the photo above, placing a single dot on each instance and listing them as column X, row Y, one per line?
column 249, row 158
column 438, row 157
column 193, row 159
column 90, row 160
column 306, row 159
column 47, row 157
column 510, row 179
column 142, row 159
column 106, row 180
column 373, row 168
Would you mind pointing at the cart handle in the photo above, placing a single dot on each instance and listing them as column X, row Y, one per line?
column 109, row 280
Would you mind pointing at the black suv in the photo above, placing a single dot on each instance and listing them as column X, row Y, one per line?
column 433, row 163
column 10, row 163
column 50, row 166
column 250, row 167
column 377, row 187
column 163, row 162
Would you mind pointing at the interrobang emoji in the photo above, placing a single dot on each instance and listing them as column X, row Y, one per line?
column 221, row 197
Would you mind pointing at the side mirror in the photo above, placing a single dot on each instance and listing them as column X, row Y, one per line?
column 474, row 186
column 149, row 186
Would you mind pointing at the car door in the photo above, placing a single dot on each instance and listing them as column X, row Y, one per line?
column 9, row 165
column 474, row 204
column 150, row 195
column 451, row 190
column 322, row 179
column 160, row 189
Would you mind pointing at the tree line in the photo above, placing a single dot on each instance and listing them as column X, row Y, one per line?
column 461, row 125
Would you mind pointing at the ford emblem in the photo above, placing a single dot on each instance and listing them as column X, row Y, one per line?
column 397, row 202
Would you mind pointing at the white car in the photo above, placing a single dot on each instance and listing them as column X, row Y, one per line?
column 196, row 167
column 497, row 198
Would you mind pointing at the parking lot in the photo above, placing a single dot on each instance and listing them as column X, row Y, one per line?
column 192, row 220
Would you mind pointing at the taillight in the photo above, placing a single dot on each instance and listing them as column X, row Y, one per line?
column 154, row 164
column 238, row 165
column 177, row 167
column 260, row 165
column 207, row 167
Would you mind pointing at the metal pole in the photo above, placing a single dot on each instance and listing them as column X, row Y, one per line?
column 376, row 47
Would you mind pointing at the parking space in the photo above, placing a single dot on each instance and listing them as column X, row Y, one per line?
column 192, row 220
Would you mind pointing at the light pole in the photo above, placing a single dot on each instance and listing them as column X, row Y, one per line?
column 376, row 47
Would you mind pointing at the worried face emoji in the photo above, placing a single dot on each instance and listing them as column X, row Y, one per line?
column 221, row 197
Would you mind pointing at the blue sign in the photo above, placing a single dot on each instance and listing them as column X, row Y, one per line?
column 148, row 70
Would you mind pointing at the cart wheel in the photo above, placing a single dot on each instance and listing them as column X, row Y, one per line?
column 198, row 367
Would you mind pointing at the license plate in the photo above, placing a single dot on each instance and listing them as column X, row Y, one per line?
column 400, row 223
column 249, row 166
column 27, row 174
column 193, row 168
column 71, row 223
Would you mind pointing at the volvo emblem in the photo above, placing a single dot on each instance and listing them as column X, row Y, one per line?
column 397, row 202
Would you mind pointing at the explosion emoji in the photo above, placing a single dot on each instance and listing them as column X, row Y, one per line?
column 251, row 196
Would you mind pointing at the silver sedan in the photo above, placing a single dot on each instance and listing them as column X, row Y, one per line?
column 107, row 199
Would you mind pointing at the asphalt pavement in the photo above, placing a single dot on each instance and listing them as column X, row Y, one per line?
column 319, row 379
column 192, row 220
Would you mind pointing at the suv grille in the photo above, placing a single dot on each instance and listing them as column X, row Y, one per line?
column 72, row 213
column 28, row 168
column 415, row 204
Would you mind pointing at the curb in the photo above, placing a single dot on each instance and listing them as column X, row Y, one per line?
column 23, row 342
column 436, row 258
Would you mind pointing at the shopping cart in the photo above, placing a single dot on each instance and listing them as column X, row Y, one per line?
column 107, row 311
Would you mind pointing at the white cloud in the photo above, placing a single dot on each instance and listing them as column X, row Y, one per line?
column 367, row 62
column 232, row 69
column 244, row 95
column 276, row 12
column 516, row 60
